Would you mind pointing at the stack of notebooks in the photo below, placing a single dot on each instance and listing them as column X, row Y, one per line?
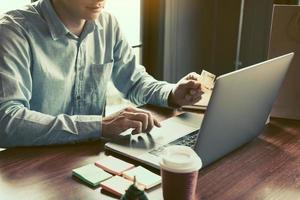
column 115, row 175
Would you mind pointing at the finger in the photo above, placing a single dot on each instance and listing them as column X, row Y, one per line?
column 196, row 94
column 196, row 99
column 200, row 85
column 191, row 99
column 193, row 92
column 191, row 84
column 136, row 125
column 142, row 117
column 151, row 119
column 156, row 123
column 197, row 90
column 193, row 76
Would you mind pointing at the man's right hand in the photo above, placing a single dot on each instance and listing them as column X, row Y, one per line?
column 131, row 117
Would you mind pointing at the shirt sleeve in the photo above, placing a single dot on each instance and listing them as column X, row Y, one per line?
column 132, row 79
column 20, row 126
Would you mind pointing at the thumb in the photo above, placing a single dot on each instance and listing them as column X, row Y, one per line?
column 192, row 76
column 191, row 84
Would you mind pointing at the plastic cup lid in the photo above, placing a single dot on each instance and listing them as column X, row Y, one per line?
column 180, row 159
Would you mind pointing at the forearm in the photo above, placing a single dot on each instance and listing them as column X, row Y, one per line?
column 147, row 90
column 20, row 126
column 140, row 87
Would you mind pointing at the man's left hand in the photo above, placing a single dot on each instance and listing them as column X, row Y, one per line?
column 187, row 91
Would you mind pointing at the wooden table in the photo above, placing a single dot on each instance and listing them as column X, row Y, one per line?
column 266, row 168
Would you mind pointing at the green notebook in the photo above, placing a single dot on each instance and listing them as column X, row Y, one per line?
column 91, row 174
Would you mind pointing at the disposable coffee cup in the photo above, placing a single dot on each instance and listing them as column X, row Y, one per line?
column 179, row 170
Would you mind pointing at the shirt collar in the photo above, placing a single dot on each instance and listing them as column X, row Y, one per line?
column 56, row 26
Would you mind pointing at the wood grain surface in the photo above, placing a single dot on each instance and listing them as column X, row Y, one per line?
column 266, row 168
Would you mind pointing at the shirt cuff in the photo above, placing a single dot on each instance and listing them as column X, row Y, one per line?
column 89, row 126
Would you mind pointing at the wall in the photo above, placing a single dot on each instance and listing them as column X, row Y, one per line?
column 182, row 39
column 256, row 31
column 153, row 36
column 201, row 34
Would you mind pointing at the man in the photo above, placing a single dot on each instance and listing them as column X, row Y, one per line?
column 56, row 58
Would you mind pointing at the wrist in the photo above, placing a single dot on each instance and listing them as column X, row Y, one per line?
column 172, row 101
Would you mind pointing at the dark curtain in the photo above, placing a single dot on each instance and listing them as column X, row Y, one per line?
column 153, row 36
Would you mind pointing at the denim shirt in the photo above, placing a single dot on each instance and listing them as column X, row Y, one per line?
column 53, row 84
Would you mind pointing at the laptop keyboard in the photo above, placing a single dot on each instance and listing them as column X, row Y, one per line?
column 187, row 140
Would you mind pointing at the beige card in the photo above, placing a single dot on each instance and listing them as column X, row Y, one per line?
column 207, row 81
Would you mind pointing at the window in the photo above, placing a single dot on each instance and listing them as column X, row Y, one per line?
column 12, row 4
column 128, row 14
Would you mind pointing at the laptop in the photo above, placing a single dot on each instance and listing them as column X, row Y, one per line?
column 237, row 112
